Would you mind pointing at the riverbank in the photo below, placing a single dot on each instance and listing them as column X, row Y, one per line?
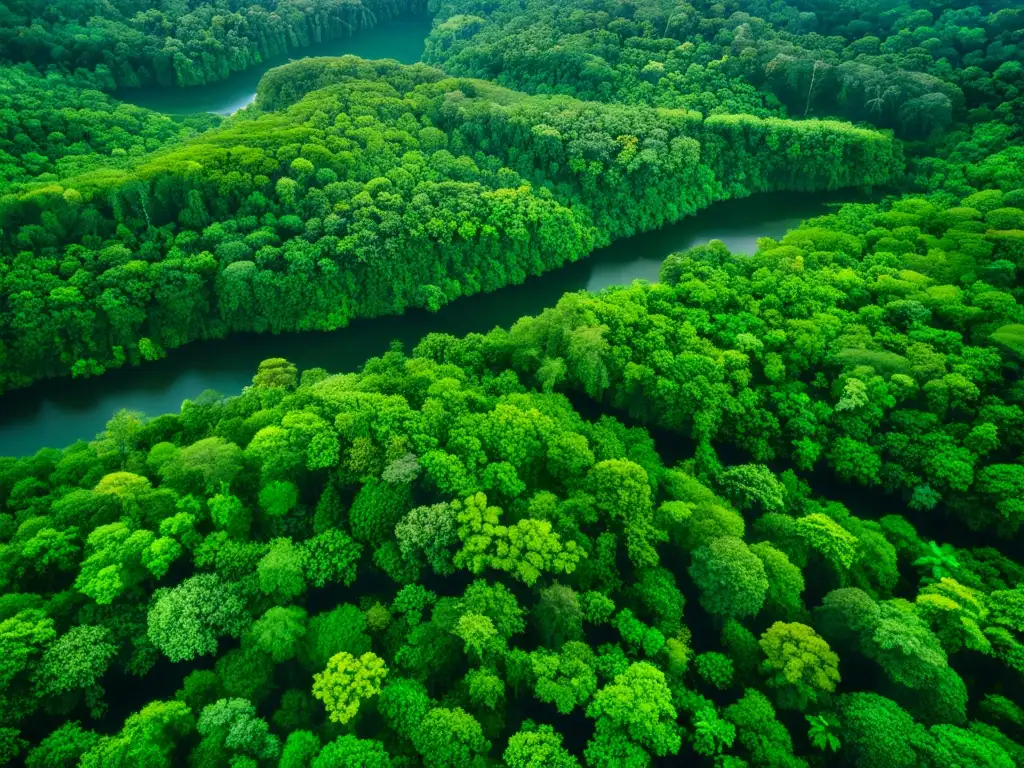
column 60, row 411
column 400, row 39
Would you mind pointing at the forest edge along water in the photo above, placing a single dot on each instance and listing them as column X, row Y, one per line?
column 401, row 39
column 586, row 490
column 60, row 411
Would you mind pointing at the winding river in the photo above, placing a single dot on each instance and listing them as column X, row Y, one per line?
column 401, row 39
column 58, row 412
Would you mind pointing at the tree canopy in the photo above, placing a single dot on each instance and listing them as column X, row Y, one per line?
column 763, row 512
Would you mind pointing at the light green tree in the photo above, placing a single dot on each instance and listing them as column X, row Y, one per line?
column 799, row 663
column 347, row 682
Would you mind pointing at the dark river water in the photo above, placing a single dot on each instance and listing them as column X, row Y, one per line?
column 401, row 39
column 55, row 413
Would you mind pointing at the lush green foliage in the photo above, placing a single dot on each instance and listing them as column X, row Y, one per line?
column 363, row 189
column 132, row 42
column 118, row 560
column 438, row 560
column 912, row 66
column 865, row 341
column 56, row 126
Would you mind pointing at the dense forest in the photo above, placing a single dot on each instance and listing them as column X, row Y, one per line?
column 55, row 125
column 423, row 564
column 884, row 345
column 358, row 189
column 913, row 67
column 762, row 513
column 177, row 43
